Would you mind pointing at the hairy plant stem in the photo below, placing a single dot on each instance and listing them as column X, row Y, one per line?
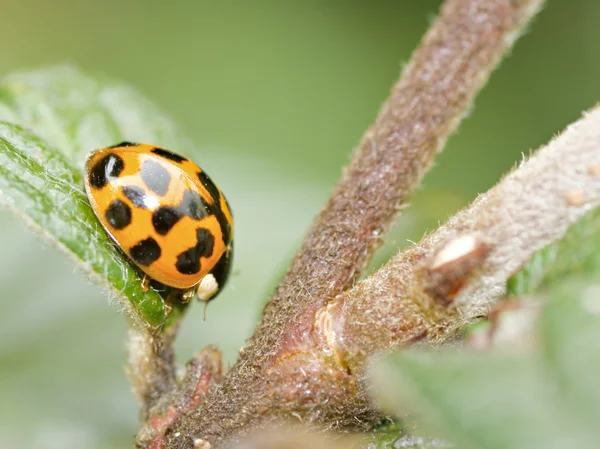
column 530, row 208
column 289, row 370
column 151, row 365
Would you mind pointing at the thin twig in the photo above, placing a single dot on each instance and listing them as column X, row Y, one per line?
column 280, row 372
column 151, row 365
column 202, row 373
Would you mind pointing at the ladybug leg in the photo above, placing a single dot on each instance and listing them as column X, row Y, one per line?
column 168, row 309
column 188, row 295
column 145, row 283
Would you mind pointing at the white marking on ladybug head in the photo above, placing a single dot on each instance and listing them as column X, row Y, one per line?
column 207, row 288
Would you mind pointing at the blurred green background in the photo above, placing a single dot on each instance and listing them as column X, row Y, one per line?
column 275, row 95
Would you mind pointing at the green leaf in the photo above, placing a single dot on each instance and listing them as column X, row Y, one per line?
column 570, row 332
column 383, row 437
column 49, row 121
column 519, row 400
column 577, row 252
column 393, row 435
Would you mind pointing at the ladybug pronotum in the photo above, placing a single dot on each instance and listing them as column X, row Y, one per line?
column 165, row 214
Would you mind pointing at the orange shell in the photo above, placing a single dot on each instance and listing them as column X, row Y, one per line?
column 163, row 211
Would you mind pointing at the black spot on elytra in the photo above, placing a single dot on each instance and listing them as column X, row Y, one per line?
column 222, row 268
column 124, row 144
column 118, row 214
column 209, row 186
column 164, row 218
column 216, row 194
column 110, row 166
column 156, row 177
column 188, row 262
column 145, row 252
column 225, row 226
column 169, row 155
column 192, row 205
column 136, row 195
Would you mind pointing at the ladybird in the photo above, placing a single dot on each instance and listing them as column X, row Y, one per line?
column 165, row 214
